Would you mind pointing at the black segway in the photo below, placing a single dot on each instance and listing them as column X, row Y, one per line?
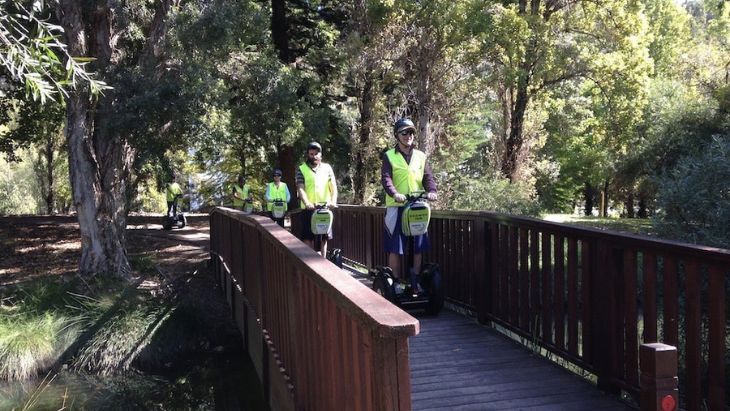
column 174, row 218
column 321, row 223
column 415, row 219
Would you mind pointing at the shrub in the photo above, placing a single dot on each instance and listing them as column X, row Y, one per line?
column 694, row 197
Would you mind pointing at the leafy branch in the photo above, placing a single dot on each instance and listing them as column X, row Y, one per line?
column 32, row 52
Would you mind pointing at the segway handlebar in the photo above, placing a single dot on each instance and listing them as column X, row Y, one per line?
column 413, row 197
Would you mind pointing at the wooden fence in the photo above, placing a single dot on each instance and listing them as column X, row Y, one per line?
column 319, row 340
column 589, row 296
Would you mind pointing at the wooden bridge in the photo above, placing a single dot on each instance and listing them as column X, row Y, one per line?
column 593, row 301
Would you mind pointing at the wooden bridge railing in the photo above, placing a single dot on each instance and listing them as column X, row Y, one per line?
column 318, row 339
column 589, row 296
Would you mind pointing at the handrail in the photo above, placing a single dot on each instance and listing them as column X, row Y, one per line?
column 589, row 296
column 324, row 337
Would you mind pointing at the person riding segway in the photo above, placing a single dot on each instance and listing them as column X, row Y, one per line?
column 407, row 180
column 241, row 195
column 173, row 193
column 315, row 185
column 277, row 197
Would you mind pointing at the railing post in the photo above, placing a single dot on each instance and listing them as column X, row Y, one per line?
column 391, row 373
column 606, row 329
column 658, row 377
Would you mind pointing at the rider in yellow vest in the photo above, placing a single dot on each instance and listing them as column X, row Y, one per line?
column 315, row 185
column 240, row 193
column 172, row 192
column 276, row 190
column 405, row 170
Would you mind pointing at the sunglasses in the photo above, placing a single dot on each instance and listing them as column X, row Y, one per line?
column 407, row 133
column 277, row 175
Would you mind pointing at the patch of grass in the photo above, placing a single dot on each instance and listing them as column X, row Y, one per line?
column 30, row 344
column 145, row 264
column 642, row 226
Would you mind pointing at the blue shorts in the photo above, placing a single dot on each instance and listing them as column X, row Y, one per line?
column 397, row 242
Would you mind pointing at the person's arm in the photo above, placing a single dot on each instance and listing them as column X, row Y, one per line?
column 286, row 190
column 234, row 193
column 267, row 194
column 429, row 182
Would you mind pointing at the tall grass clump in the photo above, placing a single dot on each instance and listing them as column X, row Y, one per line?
column 30, row 344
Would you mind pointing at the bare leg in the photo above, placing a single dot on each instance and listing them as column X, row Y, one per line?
column 324, row 246
column 394, row 264
column 417, row 258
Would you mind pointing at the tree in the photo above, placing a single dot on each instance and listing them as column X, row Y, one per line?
column 100, row 155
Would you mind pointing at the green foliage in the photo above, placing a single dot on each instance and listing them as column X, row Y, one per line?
column 490, row 193
column 17, row 189
column 694, row 196
column 33, row 54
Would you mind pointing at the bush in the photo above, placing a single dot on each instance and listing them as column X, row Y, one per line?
column 694, row 197
column 491, row 193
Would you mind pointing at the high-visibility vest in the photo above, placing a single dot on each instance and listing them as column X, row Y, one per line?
column 316, row 185
column 407, row 177
column 276, row 194
column 242, row 192
column 172, row 190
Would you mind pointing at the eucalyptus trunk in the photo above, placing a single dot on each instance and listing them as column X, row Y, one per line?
column 100, row 158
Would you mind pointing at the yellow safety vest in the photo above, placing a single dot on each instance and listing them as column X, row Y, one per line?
column 315, row 185
column 276, row 194
column 242, row 192
column 407, row 177
column 172, row 190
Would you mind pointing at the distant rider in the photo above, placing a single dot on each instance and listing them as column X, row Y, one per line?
column 276, row 190
column 172, row 191
column 315, row 185
column 405, row 170
column 240, row 193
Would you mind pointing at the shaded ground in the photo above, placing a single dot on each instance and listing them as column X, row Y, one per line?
column 39, row 246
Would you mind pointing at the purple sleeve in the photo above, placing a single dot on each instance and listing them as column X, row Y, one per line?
column 386, row 177
column 429, row 183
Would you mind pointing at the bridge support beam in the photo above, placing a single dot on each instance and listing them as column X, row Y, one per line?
column 658, row 377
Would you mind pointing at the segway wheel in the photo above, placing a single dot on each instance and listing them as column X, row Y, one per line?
column 167, row 223
column 381, row 286
column 335, row 256
column 431, row 282
column 181, row 221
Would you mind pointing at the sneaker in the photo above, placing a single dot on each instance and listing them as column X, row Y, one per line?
column 399, row 288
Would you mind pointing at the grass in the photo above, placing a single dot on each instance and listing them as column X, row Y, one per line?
column 642, row 226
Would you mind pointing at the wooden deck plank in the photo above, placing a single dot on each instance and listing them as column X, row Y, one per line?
column 456, row 363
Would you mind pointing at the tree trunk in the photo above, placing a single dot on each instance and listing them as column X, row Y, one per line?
column 642, row 205
column 604, row 200
column 588, row 193
column 288, row 165
column 630, row 205
column 360, row 172
column 100, row 160
column 279, row 30
column 513, row 145
column 49, row 175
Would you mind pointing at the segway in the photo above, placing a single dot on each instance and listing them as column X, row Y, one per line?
column 278, row 208
column 321, row 223
column 247, row 206
column 414, row 221
column 174, row 218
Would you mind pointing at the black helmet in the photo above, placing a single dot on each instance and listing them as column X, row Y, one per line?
column 277, row 172
column 403, row 124
column 314, row 145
